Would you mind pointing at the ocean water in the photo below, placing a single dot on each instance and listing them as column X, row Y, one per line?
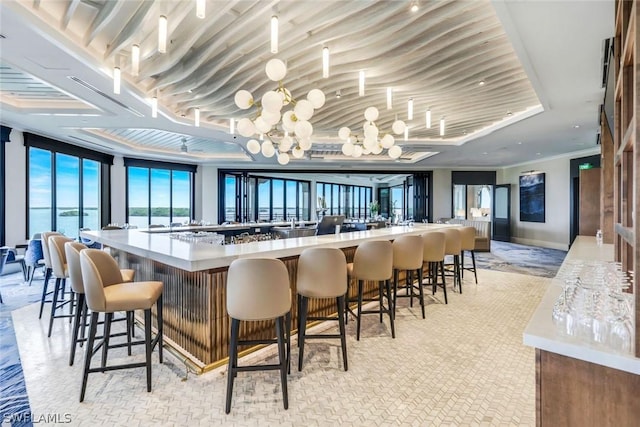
column 40, row 220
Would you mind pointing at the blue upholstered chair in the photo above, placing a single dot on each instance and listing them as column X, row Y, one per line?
column 3, row 259
column 33, row 257
column 91, row 244
column 14, row 258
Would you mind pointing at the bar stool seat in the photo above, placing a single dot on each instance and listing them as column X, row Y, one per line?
column 44, row 238
column 407, row 256
column 468, row 243
column 433, row 256
column 373, row 261
column 72, row 251
column 322, row 273
column 258, row 289
column 453, row 247
column 60, row 271
column 105, row 293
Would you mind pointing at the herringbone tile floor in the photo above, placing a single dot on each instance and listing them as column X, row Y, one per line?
column 464, row 365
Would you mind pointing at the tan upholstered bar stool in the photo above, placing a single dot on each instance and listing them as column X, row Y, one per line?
column 106, row 293
column 72, row 251
column 433, row 256
column 60, row 272
column 258, row 289
column 373, row 261
column 322, row 273
column 468, row 243
column 453, row 247
column 44, row 237
column 407, row 255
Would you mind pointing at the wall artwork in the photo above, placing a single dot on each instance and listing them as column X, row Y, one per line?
column 532, row 197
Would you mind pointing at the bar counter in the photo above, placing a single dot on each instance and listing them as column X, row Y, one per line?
column 194, row 275
column 578, row 383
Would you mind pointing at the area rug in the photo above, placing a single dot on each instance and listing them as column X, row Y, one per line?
column 514, row 258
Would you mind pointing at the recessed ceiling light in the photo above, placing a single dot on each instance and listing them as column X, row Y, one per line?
column 414, row 7
column 485, row 153
column 190, row 90
column 509, row 114
column 481, row 83
column 576, row 126
column 519, row 142
column 537, row 154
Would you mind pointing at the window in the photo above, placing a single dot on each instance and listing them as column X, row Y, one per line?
column 349, row 200
column 66, row 187
column 245, row 197
column 397, row 201
column 158, row 192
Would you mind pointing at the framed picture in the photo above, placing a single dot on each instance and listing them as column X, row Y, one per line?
column 532, row 197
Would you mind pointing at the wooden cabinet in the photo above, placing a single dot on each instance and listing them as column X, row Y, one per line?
column 626, row 158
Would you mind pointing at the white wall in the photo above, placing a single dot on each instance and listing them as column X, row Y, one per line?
column 118, row 191
column 16, row 188
column 554, row 232
column 441, row 194
column 208, row 193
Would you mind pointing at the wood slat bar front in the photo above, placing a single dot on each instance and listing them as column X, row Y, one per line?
column 195, row 315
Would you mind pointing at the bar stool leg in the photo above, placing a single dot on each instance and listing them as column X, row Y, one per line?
column 473, row 259
column 147, row 345
column 160, row 338
column 444, row 283
column 129, row 320
column 396, row 274
column 343, row 335
column 302, row 316
column 456, row 268
column 408, row 285
column 76, row 327
column 108, row 317
column 283, row 360
column 88, row 353
column 45, row 286
column 53, row 305
column 420, row 291
column 233, row 351
column 360, row 291
column 380, row 301
column 391, row 306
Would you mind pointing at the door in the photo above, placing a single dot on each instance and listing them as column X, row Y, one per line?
column 502, row 213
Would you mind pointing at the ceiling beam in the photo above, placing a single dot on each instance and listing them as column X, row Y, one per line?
column 130, row 29
column 68, row 14
column 104, row 16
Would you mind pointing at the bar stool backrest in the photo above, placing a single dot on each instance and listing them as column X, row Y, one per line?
column 452, row 241
column 468, row 238
column 72, row 252
column 433, row 245
column 57, row 255
column 45, row 246
column 99, row 270
column 407, row 252
column 373, row 260
column 322, row 273
column 258, row 289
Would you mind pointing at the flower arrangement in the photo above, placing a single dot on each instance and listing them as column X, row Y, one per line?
column 374, row 207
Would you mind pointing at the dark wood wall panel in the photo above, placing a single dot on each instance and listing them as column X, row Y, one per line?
column 573, row 392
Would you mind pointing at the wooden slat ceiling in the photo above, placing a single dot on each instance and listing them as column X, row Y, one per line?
column 437, row 55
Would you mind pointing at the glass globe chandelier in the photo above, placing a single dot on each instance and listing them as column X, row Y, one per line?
column 284, row 133
column 374, row 142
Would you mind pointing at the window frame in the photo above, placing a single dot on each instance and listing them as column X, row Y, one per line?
column 171, row 167
column 55, row 147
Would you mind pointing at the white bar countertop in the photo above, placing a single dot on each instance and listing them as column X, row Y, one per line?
column 202, row 256
column 543, row 334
